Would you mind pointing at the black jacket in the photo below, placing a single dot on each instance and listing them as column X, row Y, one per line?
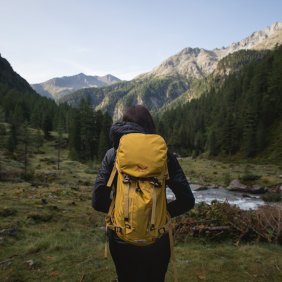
column 184, row 199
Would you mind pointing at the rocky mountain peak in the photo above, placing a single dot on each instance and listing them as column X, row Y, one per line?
column 257, row 38
column 57, row 87
column 196, row 63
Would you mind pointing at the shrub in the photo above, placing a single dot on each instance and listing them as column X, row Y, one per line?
column 249, row 177
column 222, row 220
column 8, row 212
column 40, row 217
column 271, row 197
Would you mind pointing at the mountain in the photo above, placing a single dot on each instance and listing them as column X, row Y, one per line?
column 113, row 99
column 232, row 63
column 180, row 78
column 240, row 115
column 198, row 62
column 10, row 80
column 19, row 103
column 60, row 86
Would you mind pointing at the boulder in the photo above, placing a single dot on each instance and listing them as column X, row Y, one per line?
column 198, row 187
column 256, row 189
column 237, row 186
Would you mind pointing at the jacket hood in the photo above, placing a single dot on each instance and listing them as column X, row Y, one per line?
column 121, row 128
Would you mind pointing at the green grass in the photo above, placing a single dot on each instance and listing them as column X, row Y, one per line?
column 69, row 245
column 225, row 262
column 49, row 232
column 63, row 238
column 221, row 173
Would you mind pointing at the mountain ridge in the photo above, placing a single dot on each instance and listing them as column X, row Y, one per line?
column 181, row 70
column 199, row 62
column 58, row 87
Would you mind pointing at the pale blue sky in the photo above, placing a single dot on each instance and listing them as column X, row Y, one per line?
column 43, row 39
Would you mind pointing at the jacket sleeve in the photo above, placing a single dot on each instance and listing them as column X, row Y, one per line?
column 184, row 199
column 101, row 199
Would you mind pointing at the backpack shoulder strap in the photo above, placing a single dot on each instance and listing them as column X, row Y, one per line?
column 112, row 176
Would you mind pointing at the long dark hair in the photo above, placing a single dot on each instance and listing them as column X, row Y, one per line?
column 140, row 115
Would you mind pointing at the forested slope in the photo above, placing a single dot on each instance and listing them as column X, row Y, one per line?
column 241, row 115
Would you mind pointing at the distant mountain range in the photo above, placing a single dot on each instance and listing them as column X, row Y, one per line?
column 179, row 79
column 58, row 87
column 237, row 88
column 176, row 76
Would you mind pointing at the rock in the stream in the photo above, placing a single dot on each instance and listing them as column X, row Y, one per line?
column 236, row 185
column 199, row 187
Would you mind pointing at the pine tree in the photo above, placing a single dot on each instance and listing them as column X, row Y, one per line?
column 212, row 144
column 59, row 142
column 47, row 125
column 74, row 135
column 103, row 145
column 38, row 140
column 104, row 141
column 25, row 142
column 88, row 140
column 12, row 139
column 2, row 115
column 2, row 137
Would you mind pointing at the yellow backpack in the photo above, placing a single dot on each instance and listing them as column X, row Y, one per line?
column 138, row 212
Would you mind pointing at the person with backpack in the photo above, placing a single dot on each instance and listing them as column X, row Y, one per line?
column 131, row 188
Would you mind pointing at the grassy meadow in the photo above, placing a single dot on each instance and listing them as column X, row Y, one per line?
column 49, row 231
column 220, row 173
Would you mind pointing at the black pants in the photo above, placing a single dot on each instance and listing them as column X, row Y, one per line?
column 140, row 264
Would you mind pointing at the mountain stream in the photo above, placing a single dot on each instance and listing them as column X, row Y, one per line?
column 242, row 200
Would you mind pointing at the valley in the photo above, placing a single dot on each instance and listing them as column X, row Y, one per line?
column 49, row 231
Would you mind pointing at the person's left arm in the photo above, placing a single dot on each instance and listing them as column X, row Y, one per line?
column 184, row 198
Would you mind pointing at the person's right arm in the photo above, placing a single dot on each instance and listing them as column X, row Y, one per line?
column 101, row 199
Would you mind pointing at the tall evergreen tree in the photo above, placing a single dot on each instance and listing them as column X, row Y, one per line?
column 12, row 139
column 2, row 142
column 25, row 145
column 88, row 142
column 59, row 141
column 38, row 140
column 74, row 135
column 104, row 141
column 47, row 125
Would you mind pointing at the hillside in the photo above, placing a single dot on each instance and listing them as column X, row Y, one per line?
column 153, row 93
column 9, row 79
column 231, row 64
column 49, row 231
column 58, row 87
column 240, row 115
column 19, row 103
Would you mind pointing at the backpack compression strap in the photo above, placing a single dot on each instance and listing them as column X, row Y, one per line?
column 126, row 181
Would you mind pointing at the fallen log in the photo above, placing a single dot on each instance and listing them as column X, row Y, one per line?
column 209, row 228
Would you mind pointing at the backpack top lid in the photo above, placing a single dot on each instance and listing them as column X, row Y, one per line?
column 142, row 155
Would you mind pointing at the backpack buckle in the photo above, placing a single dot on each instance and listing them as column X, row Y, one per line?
column 118, row 229
column 155, row 182
column 126, row 178
column 162, row 230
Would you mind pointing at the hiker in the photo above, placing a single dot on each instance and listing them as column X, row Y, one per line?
column 133, row 262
